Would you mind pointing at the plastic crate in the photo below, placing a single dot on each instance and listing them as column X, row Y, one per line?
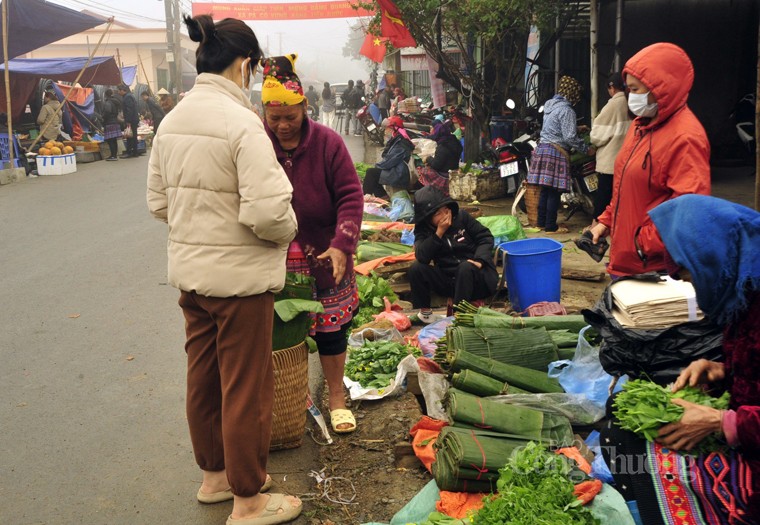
column 56, row 164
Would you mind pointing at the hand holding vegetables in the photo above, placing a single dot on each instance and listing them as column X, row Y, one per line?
column 700, row 372
column 696, row 423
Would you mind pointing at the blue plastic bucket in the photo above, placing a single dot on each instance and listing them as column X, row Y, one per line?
column 533, row 270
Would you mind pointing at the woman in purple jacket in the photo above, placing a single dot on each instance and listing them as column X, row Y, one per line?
column 329, row 203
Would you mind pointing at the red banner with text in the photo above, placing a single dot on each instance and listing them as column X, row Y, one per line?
column 289, row 11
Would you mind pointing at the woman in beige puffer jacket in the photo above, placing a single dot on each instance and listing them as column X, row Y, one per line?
column 213, row 176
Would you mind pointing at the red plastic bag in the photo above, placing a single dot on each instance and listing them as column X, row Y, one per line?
column 399, row 320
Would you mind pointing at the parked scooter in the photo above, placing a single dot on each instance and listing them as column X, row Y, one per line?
column 584, row 183
column 744, row 117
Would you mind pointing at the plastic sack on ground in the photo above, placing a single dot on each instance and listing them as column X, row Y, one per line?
column 610, row 508
column 658, row 355
column 407, row 237
column 576, row 407
column 503, row 228
column 584, row 373
column 418, row 508
column 400, row 321
column 434, row 388
column 431, row 333
column 599, row 468
column 397, row 384
column 402, row 208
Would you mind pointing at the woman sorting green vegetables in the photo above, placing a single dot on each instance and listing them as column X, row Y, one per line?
column 715, row 244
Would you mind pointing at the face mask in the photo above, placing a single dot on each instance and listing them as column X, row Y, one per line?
column 637, row 103
column 246, row 80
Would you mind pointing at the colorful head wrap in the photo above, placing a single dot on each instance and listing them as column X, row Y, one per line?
column 281, row 86
column 570, row 88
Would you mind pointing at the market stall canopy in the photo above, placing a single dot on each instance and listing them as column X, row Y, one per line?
column 26, row 73
column 33, row 24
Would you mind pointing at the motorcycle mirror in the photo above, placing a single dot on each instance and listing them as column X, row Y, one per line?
column 510, row 103
column 541, row 109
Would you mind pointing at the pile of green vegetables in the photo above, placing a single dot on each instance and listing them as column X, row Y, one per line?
column 372, row 289
column 534, row 487
column 374, row 364
column 361, row 169
column 644, row 407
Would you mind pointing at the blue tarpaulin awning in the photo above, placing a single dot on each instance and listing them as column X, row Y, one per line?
column 33, row 24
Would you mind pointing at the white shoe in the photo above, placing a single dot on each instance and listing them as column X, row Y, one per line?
column 428, row 317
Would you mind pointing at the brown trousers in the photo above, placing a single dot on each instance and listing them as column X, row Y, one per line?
column 230, row 385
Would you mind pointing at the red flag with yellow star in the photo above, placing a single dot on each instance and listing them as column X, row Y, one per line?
column 373, row 47
column 393, row 27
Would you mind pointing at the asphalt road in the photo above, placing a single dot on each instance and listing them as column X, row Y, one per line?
column 92, row 422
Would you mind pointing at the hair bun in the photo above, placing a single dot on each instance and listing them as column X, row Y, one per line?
column 200, row 28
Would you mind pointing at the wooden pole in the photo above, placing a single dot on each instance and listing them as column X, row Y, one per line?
column 142, row 66
column 594, row 40
column 11, row 142
column 66, row 98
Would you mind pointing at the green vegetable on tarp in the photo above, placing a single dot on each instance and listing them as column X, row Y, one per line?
column 361, row 169
column 503, row 226
column 369, row 251
column 374, row 364
column 643, row 407
column 288, row 309
column 535, row 486
column 481, row 385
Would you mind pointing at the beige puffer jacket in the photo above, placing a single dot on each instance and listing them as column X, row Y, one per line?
column 213, row 176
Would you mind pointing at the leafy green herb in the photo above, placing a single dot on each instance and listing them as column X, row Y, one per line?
column 288, row 309
column 534, row 487
column 643, row 407
column 361, row 169
column 372, row 289
column 374, row 364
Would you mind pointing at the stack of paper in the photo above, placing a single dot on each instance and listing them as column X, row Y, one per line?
column 641, row 304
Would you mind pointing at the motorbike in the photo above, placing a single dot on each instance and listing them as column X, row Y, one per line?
column 744, row 117
column 584, row 183
column 375, row 132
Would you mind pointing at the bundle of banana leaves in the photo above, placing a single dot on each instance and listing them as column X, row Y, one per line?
column 470, row 411
column 524, row 378
column 531, row 348
column 482, row 385
column 469, row 460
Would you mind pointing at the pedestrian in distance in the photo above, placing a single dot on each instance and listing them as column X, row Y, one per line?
column 131, row 120
column 50, row 118
column 166, row 100
column 347, row 105
column 550, row 163
column 384, row 102
column 156, row 113
column 228, row 205
column 358, row 100
column 665, row 154
column 329, row 204
column 328, row 107
column 313, row 97
column 607, row 135
column 112, row 125
column 452, row 252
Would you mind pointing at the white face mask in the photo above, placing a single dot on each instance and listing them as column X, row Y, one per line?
column 638, row 104
column 246, row 80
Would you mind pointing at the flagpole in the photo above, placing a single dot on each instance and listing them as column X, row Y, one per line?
column 11, row 142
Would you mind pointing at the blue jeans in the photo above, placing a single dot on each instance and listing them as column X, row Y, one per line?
column 548, row 206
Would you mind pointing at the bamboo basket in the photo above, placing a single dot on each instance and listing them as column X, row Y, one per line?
column 532, row 196
column 291, row 384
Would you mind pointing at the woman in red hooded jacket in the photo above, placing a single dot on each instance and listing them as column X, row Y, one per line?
column 665, row 154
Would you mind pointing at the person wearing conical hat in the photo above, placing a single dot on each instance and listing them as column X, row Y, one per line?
column 329, row 203
column 550, row 163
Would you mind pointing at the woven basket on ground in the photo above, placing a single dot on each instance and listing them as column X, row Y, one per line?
column 532, row 195
column 291, row 386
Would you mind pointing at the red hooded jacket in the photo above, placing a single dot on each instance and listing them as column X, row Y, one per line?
column 658, row 161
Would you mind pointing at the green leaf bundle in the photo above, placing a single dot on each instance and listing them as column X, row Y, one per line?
column 513, row 420
column 482, row 385
column 521, row 377
column 530, row 348
column 643, row 407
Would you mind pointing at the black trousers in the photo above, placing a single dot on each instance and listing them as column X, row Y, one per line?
column 113, row 146
column 132, row 141
column 548, row 207
column 468, row 284
column 371, row 184
column 603, row 193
